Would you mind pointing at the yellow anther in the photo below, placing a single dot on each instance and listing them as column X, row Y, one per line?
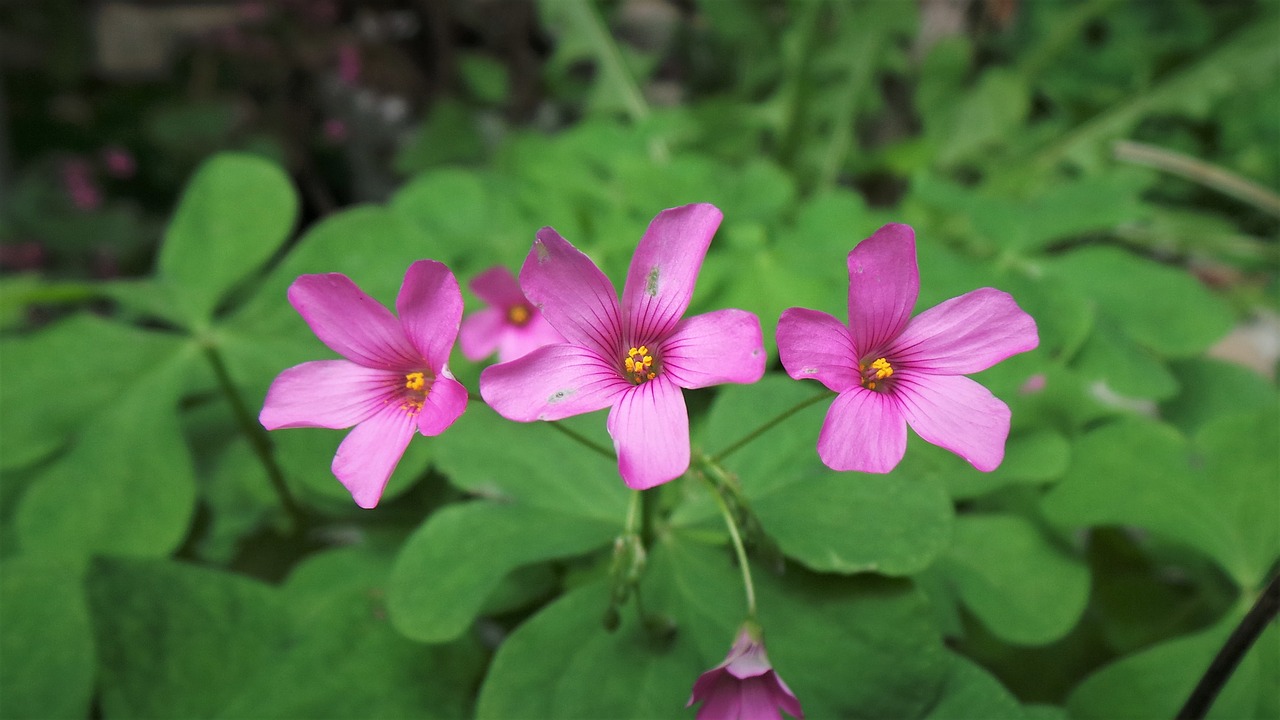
column 871, row 386
column 883, row 368
column 415, row 381
column 518, row 315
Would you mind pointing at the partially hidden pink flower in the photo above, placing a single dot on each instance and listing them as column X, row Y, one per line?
column 632, row 357
column 394, row 378
column 891, row 370
column 511, row 324
column 744, row 686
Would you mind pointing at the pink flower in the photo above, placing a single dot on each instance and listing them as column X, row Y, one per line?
column 745, row 685
column 891, row 370
column 348, row 63
column 394, row 379
column 633, row 357
column 77, row 180
column 511, row 324
column 119, row 162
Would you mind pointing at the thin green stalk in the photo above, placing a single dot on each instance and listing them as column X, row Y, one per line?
column 600, row 449
column 613, row 69
column 1197, row 171
column 257, row 437
column 1262, row 613
column 858, row 75
column 766, row 427
column 738, row 548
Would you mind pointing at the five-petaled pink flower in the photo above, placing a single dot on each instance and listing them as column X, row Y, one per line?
column 395, row 377
column 632, row 357
column 745, row 685
column 511, row 324
column 891, row 370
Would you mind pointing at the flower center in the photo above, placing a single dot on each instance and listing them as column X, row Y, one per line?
column 639, row 366
column 875, row 374
column 518, row 315
column 416, row 388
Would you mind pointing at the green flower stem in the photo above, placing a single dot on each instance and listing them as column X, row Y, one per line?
column 738, row 548
column 257, row 437
column 766, row 427
column 613, row 69
column 1264, row 610
column 1197, row 171
column 599, row 449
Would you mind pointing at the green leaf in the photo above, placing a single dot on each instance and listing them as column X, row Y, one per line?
column 1138, row 472
column 1033, row 457
column 972, row 692
column 1181, row 319
column 623, row 674
column 1022, row 587
column 1128, row 368
column 484, row 76
column 895, row 524
column 854, row 522
column 346, row 660
column 54, row 378
column 180, row 641
column 127, row 485
column 233, row 216
column 46, row 649
column 1212, row 387
column 816, row 629
column 371, row 245
column 534, row 464
column 456, row 559
column 985, row 117
column 1157, row 681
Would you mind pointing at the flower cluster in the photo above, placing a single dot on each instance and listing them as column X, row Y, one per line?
column 568, row 344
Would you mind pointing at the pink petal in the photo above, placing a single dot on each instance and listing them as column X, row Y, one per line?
column 724, row 346
column 956, row 413
column 816, row 345
column 498, row 287
column 351, row 323
column 966, row 334
column 326, row 393
column 370, row 452
column 884, row 282
column 517, row 342
column 650, row 429
column 445, row 403
column 481, row 332
column 757, row 700
column 575, row 296
column 430, row 308
column 864, row 431
column 721, row 699
column 664, row 269
column 787, row 699
column 551, row 383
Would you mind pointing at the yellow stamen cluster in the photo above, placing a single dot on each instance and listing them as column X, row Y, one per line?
column 639, row 364
column 880, row 369
column 518, row 315
column 416, row 384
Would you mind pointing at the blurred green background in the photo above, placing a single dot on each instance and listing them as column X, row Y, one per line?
column 167, row 169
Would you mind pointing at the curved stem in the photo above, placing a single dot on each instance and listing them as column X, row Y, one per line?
column 1198, row 171
column 257, row 437
column 738, row 548
column 1219, row 672
column 767, row 426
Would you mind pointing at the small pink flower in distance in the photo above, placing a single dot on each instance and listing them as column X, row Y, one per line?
column 348, row 63
column 745, row 685
column 511, row 324
column 395, row 377
column 77, row 180
column 119, row 162
column 335, row 130
column 632, row 357
column 891, row 370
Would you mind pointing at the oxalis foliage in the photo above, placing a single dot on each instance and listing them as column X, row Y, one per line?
column 165, row 556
